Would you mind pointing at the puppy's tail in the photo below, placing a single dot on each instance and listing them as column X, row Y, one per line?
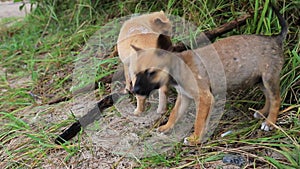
column 88, row 118
column 282, row 22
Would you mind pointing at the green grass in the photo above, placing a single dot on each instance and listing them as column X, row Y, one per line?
column 37, row 61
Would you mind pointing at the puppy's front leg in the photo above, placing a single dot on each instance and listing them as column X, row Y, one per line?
column 140, row 100
column 162, row 104
column 180, row 107
column 127, row 79
column 204, row 105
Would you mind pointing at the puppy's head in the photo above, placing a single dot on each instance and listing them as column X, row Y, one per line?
column 160, row 23
column 149, row 69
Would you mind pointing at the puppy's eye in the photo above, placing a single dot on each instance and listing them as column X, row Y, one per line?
column 150, row 73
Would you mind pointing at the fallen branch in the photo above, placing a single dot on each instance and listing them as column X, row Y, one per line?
column 58, row 100
column 88, row 118
column 213, row 34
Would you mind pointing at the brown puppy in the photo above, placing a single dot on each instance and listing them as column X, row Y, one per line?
column 142, row 31
column 247, row 60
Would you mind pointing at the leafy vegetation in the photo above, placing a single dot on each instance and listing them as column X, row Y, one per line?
column 37, row 61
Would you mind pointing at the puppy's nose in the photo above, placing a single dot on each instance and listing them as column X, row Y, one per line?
column 136, row 89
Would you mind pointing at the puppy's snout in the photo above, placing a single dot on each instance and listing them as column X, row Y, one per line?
column 136, row 89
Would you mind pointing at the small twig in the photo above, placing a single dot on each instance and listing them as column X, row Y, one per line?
column 58, row 100
column 288, row 109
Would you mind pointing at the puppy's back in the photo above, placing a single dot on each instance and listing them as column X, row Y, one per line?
column 144, row 41
column 156, row 22
column 143, row 32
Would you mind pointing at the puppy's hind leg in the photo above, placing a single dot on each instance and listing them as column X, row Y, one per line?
column 162, row 104
column 265, row 110
column 271, row 84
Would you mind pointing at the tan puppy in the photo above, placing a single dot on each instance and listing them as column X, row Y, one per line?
column 143, row 32
column 247, row 60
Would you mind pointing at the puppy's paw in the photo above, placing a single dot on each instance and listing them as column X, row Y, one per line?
column 191, row 141
column 137, row 112
column 125, row 91
column 164, row 128
column 161, row 110
column 186, row 141
column 266, row 127
column 257, row 115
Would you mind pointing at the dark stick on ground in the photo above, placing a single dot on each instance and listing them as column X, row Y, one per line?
column 213, row 34
column 58, row 100
column 88, row 118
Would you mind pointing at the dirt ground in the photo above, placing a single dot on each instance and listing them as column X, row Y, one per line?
column 11, row 9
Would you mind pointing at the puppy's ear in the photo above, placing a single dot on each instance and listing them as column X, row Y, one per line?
column 164, row 42
column 179, row 47
column 160, row 21
column 137, row 49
